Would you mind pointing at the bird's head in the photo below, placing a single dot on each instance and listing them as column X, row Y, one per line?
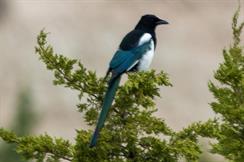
column 150, row 22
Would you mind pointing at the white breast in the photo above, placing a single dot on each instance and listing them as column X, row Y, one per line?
column 145, row 61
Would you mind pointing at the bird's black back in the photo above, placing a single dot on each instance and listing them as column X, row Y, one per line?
column 132, row 39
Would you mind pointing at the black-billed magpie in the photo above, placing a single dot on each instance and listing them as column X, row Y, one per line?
column 135, row 53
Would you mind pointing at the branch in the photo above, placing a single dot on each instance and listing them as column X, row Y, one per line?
column 38, row 147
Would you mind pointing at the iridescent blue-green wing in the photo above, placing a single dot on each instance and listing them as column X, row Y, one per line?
column 124, row 60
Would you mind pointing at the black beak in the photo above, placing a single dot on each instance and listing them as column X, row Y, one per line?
column 161, row 22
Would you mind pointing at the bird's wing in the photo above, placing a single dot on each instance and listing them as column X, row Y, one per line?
column 123, row 60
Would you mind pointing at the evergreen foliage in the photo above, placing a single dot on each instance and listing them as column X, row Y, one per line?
column 132, row 132
column 229, row 95
column 22, row 125
column 228, row 90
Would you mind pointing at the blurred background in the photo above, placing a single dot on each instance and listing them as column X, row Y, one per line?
column 189, row 50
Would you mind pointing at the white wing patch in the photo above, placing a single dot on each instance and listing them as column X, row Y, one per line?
column 145, row 61
column 145, row 38
column 132, row 65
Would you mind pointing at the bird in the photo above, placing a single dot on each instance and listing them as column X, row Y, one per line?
column 135, row 53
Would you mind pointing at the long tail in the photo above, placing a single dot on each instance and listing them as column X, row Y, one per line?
column 107, row 102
